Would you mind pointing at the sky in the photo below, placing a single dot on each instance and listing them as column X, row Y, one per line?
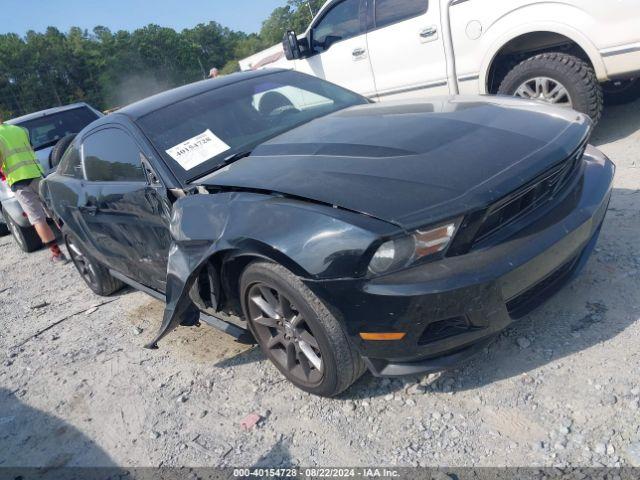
column 245, row 15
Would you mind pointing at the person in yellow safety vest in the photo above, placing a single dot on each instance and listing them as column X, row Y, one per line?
column 23, row 172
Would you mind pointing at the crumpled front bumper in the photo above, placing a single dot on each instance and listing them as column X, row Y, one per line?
column 451, row 308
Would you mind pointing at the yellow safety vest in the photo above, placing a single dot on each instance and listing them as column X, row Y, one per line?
column 18, row 160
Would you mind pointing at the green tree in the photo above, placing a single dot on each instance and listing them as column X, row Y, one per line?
column 108, row 69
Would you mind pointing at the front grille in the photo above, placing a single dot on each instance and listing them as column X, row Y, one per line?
column 527, row 301
column 530, row 197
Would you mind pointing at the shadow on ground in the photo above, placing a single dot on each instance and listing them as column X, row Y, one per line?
column 277, row 456
column 618, row 122
column 32, row 438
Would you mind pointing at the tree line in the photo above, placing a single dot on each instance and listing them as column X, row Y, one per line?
column 108, row 69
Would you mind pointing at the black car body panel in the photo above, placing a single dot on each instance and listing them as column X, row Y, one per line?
column 323, row 197
column 453, row 303
column 440, row 158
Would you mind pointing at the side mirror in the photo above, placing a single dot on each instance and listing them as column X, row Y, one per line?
column 291, row 46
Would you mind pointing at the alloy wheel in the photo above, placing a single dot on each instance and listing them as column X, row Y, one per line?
column 285, row 334
column 82, row 263
column 545, row 89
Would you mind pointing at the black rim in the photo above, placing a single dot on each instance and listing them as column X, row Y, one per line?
column 285, row 334
column 83, row 264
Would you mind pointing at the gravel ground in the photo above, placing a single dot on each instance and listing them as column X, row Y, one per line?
column 559, row 388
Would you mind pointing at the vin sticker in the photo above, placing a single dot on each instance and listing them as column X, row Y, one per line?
column 197, row 150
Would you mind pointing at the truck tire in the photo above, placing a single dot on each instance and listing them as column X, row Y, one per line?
column 26, row 237
column 4, row 228
column 58, row 150
column 556, row 78
column 301, row 337
column 94, row 274
column 622, row 91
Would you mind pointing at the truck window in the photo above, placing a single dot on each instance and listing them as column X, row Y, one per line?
column 393, row 11
column 342, row 21
column 47, row 130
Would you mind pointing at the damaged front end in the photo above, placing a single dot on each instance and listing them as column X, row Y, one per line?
column 196, row 227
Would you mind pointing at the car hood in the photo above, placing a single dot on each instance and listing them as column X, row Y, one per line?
column 412, row 163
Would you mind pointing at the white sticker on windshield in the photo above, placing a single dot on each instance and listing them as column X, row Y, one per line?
column 197, row 150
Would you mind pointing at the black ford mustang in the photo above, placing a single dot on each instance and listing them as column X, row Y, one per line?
column 349, row 235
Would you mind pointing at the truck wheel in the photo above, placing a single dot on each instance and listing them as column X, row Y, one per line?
column 559, row 79
column 56, row 153
column 297, row 332
column 95, row 275
column 622, row 91
column 4, row 228
column 26, row 237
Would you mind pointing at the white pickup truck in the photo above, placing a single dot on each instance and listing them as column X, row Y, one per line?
column 560, row 51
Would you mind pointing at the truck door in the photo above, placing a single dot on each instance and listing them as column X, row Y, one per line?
column 406, row 48
column 338, row 45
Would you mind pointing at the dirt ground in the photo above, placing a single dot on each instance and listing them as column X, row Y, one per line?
column 561, row 387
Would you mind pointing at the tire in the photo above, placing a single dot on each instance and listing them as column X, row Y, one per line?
column 340, row 364
column 4, row 228
column 620, row 92
column 94, row 274
column 26, row 237
column 577, row 77
column 59, row 149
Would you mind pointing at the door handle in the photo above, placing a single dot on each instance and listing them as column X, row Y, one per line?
column 89, row 209
column 428, row 32
column 358, row 52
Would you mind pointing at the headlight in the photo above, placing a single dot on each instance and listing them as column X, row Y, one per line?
column 401, row 252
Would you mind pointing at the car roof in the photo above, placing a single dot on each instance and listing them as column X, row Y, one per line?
column 169, row 97
column 45, row 113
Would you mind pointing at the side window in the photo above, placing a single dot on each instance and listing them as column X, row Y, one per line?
column 339, row 23
column 392, row 11
column 70, row 164
column 111, row 155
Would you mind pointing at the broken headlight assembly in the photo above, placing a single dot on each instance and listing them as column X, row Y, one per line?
column 421, row 244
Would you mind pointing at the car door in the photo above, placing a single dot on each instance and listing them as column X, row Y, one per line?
column 125, row 213
column 406, row 48
column 338, row 48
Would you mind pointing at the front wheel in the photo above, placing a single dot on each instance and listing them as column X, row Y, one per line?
column 297, row 332
column 559, row 79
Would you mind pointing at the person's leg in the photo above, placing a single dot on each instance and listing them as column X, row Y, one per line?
column 44, row 232
column 32, row 205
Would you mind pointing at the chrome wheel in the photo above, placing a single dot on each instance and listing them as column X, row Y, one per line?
column 545, row 89
column 83, row 264
column 285, row 334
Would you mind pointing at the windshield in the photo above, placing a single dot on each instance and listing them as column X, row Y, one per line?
column 46, row 131
column 197, row 134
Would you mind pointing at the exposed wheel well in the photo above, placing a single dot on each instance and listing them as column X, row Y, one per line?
column 222, row 274
column 231, row 273
column 525, row 46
